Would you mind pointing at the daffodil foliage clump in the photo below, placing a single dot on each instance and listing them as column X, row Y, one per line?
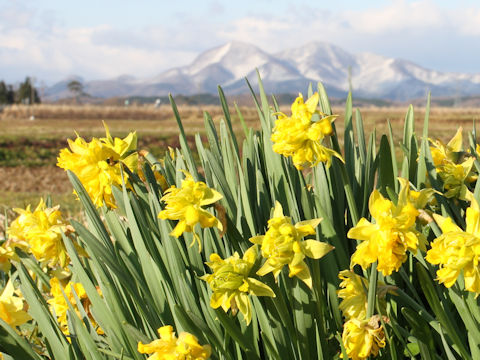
column 283, row 246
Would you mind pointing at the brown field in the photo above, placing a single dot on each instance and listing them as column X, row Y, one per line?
column 156, row 128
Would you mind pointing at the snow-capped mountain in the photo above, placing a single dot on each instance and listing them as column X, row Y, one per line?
column 291, row 71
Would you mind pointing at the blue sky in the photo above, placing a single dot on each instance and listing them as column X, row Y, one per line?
column 52, row 39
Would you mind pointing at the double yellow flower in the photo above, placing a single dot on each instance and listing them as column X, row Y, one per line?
column 283, row 244
column 185, row 204
column 231, row 284
column 97, row 164
column 299, row 137
column 169, row 347
column 458, row 251
column 391, row 236
column 40, row 232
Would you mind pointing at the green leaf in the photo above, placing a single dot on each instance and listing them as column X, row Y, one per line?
column 422, row 334
column 385, row 168
column 39, row 310
column 440, row 312
column 14, row 345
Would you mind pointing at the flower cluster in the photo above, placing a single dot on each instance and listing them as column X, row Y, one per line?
column 98, row 164
column 282, row 245
column 300, row 137
column 231, row 279
column 385, row 241
column 169, row 347
column 231, row 285
column 361, row 337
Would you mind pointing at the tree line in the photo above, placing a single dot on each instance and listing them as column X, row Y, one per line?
column 25, row 93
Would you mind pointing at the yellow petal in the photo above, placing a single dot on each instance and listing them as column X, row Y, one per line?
column 377, row 204
column 455, row 144
column 107, row 132
column 363, row 230
column 312, row 222
column 446, row 224
column 257, row 239
column 215, row 258
column 8, row 290
column 316, row 249
column 250, row 255
column 278, row 212
column 210, row 196
column 307, row 227
column 179, row 229
column 192, row 216
column 243, row 303
column 166, row 332
column 216, row 300
column 244, row 287
column 304, row 275
column 467, row 165
column 258, row 288
column 265, row 269
column 403, row 193
column 473, row 218
column 312, row 102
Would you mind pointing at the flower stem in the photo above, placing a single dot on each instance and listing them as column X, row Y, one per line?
column 372, row 291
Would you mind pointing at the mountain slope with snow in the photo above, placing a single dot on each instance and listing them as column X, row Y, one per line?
column 291, row 71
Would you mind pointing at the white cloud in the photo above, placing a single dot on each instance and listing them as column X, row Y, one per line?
column 36, row 43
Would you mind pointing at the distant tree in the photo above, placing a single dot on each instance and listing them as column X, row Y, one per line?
column 10, row 94
column 27, row 93
column 76, row 88
column 3, row 93
column 7, row 95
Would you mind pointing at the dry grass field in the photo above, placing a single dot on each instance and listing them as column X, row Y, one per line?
column 28, row 148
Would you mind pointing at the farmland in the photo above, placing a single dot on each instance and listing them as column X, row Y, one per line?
column 28, row 149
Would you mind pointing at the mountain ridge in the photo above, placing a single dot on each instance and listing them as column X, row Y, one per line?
column 290, row 70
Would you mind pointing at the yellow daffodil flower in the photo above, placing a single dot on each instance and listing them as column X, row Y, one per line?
column 8, row 254
column 12, row 308
column 300, row 137
column 185, row 204
column 168, row 347
column 454, row 177
column 458, row 251
column 442, row 154
column 353, row 293
column 231, row 285
column 125, row 148
column 419, row 199
column 363, row 338
column 388, row 239
column 455, row 174
column 282, row 245
column 97, row 164
column 42, row 230
column 158, row 176
column 59, row 304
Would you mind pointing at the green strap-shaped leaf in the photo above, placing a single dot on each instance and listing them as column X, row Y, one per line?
column 14, row 345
